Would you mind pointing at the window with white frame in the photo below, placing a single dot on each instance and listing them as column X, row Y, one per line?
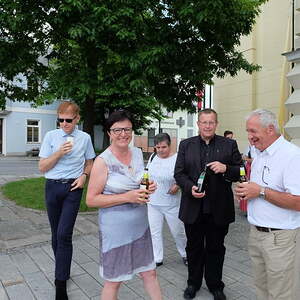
column 33, row 131
column 151, row 135
column 190, row 120
column 190, row 133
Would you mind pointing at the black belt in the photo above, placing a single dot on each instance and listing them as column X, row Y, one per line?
column 64, row 181
column 265, row 229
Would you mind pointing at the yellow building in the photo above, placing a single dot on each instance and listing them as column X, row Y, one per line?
column 235, row 97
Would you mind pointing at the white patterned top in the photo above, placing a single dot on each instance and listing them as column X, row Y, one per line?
column 161, row 171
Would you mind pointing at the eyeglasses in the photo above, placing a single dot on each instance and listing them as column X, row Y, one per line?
column 265, row 169
column 205, row 123
column 65, row 120
column 118, row 131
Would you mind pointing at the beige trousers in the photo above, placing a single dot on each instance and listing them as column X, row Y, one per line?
column 273, row 258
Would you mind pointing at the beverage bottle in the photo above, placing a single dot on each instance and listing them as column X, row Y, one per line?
column 145, row 180
column 243, row 178
column 200, row 181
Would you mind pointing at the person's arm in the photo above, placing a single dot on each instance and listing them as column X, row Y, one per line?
column 173, row 189
column 252, row 190
column 281, row 199
column 232, row 172
column 98, row 178
column 289, row 176
column 46, row 164
column 80, row 181
column 180, row 175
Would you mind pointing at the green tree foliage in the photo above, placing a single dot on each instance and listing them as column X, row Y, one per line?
column 135, row 54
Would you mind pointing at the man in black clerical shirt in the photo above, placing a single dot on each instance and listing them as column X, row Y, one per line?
column 207, row 215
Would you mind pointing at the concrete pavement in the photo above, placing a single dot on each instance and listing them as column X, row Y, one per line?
column 27, row 265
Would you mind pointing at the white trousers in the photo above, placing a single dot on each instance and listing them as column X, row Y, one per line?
column 156, row 215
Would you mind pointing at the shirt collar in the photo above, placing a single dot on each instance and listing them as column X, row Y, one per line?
column 73, row 133
column 211, row 141
column 274, row 146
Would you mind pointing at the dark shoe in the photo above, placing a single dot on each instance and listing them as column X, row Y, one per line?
column 159, row 264
column 61, row 290
column 190, row 292
column 185, row 262
column 218, row 295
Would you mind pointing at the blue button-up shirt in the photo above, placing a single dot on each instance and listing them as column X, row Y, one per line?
column 71, row 165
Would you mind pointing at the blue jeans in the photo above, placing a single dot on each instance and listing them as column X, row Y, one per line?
column 62, row 207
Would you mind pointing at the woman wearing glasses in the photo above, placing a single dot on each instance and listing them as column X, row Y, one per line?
column 125, row 239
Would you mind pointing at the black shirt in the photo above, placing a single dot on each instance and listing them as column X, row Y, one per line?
column 206, row 156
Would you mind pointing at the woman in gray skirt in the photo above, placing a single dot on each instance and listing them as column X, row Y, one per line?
column 125, row 239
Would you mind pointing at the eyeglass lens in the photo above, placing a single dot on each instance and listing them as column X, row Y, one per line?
column 119, row 130
column 63, row 120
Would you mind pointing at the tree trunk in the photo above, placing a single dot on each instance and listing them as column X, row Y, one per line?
column 89, row 117
column 105, row 139
column 89, row 110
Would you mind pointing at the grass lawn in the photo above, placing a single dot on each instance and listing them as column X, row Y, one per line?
column 30, row 193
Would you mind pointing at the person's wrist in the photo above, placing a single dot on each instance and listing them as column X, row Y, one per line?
column 262, row 192
column 86, row 174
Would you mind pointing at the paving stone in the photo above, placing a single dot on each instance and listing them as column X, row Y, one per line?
column 92, row 240
column 172, row 277
column 6, row 214
column 85, row 246
column 78, row 295
column 237, row 275
column 237, row 265
column 239, row 289
column 3, row 295
column 85, row 226
column 17, row 279
column 48, row 249
column 26, row 241
column 44, row 262
column 40, row 286
column 87, row 284
column 8, row 270
column 136, row 285
column 88, row 250
column 24, row 263
column 76, row 269
column 27, row 262
column 172, row 291
column 127, row 293
column 93, row 269
column 19, row 291
column 80, row 256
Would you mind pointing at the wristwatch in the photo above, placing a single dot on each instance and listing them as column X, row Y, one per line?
column 262, row 193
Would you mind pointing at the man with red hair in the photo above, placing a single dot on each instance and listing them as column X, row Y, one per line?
column 66, row 158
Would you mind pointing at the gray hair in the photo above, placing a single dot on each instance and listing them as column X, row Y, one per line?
column 266, row 118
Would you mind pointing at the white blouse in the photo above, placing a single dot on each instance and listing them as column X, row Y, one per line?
column 161, row 171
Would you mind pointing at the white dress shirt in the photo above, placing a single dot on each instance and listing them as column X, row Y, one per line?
column 277, row 168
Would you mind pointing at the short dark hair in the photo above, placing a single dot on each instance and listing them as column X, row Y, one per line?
column 162, row 137
column 226, row 132
column 117, row 116
column 208, row 111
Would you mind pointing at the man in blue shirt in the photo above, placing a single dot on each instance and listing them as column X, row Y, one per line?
column 66, row 158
